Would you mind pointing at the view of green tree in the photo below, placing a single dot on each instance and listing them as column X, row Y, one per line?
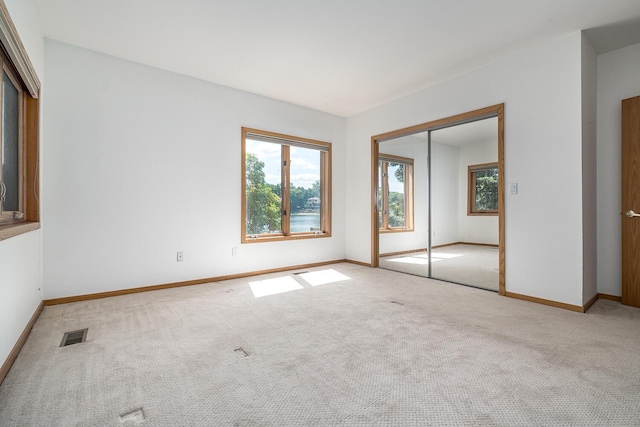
column 263, row 203
column 487, row 190
column 399, row 172
column 297, row 199
column 276, row 189
column 315, row 189
column 299, row 196
column 396, row 209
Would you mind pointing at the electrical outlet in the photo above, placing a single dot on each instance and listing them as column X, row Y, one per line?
column 180, row 256
column 234, row 251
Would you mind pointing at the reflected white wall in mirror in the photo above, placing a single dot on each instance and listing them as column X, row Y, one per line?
column 473, row 143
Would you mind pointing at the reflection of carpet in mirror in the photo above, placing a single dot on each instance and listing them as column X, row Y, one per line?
column 468, row 264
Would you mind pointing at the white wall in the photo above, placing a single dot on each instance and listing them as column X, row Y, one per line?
column 142, row 163
column 20, row 257
column 415, row 149
column 475, row 228
column 445, row 160
column 589, row 167
column 20, row 290
column 25, row 18
column 618, row 79
column 541, row 89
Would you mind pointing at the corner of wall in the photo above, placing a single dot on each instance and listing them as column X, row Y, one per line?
column 589, row 67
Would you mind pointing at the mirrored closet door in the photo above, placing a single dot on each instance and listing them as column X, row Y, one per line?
column 439, row 199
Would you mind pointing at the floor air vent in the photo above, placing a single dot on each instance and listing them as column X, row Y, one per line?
column 241, row 353
column 74, row 337
column 136, row 416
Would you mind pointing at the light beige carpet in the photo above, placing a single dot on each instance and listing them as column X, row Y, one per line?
column 363, row 347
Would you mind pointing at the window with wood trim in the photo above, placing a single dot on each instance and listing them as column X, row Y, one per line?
column 19, row 126
column 12, row 167
column 483, row 189
column 286, row 187
column 395, row 193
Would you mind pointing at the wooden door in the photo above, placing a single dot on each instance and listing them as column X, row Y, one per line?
column 631, row 201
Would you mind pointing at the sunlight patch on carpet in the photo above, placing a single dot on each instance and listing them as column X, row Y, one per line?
column 444, row 256
column 411, row 260
column 274, row 286
column 323, row 277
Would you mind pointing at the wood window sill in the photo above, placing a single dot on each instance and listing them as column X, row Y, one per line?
column 11, row 230
column 280, row 238
column 395, row 230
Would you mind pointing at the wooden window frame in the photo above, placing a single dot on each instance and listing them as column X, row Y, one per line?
column 471, row 189
column 383, row 161
column 287, row 141
column 20, row 70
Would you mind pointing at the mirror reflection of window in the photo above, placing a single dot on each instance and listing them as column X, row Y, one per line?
column 395, row 193
column 483, row 189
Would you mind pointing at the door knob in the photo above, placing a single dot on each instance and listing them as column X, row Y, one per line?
column 631, row 214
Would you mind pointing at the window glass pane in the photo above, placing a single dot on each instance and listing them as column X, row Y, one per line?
column 10, row 143
column 305, row 192
column 396, row 195
column 486, row 189
column 264, row 191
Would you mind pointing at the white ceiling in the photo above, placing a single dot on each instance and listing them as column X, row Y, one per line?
column 338, row 56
